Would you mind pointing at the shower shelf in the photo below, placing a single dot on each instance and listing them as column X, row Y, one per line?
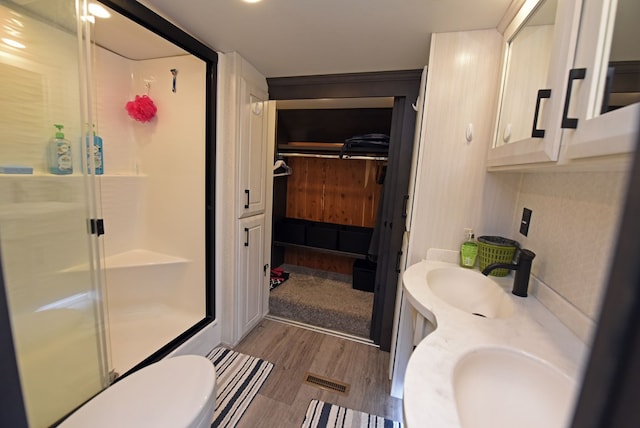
column 141, row 257
column 46, row 175
column 134, row 258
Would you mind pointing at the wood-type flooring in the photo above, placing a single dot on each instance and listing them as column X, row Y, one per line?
column 294, row 351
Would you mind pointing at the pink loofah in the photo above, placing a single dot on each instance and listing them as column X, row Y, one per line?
column 142, row 108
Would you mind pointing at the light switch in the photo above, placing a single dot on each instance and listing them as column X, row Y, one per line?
column 526, row 220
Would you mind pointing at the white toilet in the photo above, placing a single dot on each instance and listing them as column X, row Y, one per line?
column 175, row 392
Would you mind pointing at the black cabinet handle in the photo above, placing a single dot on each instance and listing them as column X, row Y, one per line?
column 539, row 133
column 246, row 237
column 571, row 122
column 246, row 191
column 398, row 258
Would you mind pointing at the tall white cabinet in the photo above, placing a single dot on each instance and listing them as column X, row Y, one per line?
column 245, row 170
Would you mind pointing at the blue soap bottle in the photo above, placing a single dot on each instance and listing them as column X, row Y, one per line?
column 59, row 155
column 98, row 158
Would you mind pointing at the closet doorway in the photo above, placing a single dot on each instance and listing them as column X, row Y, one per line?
column 402, row 87
column 330, row 165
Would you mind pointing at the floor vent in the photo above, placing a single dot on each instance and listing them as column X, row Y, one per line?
column 326, row 383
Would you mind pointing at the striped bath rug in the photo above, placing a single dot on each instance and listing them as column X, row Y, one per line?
column 239, row 377
column 326, row 415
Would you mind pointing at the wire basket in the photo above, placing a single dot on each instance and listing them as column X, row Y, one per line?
column 496, row 249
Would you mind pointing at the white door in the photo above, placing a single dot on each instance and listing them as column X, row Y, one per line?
column 599, row 122
column 251, row 273
column 253, row 150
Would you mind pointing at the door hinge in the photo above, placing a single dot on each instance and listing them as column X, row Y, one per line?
column 264, row 269
column 398, row 260
column 96, row 226
column 405, row 201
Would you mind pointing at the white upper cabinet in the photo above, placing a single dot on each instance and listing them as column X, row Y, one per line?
column 538, row 49
column 252, row 140
column 589, row 57
column 603, row 109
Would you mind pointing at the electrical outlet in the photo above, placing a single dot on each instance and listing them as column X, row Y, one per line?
column 526, row 221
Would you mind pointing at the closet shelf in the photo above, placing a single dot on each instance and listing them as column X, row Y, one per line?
column 329, row 238
column 330, row 151
column 321, row 250
column 329, row 156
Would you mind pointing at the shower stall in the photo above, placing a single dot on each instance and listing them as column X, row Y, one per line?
column 86, row 306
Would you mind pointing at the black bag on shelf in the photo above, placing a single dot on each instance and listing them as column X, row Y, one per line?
column 365, row 144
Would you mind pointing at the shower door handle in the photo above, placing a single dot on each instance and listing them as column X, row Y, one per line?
column 246, row 236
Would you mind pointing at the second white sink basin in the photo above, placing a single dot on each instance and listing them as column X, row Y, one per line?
column 496, row 387
column 470, row 291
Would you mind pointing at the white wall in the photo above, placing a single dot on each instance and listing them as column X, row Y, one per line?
column 172, row 155
column 121, row 192
column 573, row 230
column 454, row 190
column 226, row 176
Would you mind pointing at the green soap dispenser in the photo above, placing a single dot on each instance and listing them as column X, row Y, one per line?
column 59, row 155
column 469, row 251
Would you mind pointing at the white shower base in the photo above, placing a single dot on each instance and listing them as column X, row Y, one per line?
column 141, row 289
column 136, row 333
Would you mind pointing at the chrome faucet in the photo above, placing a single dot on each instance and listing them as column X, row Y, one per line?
column 522, row 268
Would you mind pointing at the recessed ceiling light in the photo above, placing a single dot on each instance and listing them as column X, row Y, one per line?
column 251, row 1
column 13, row 43
column 98, row 11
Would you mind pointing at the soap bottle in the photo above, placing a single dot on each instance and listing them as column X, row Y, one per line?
column 98, row 159
column 59, row 154
column 469, row 251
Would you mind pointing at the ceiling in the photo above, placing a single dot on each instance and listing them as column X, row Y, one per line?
column 308, row 37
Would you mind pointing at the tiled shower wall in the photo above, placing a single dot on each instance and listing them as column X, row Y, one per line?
column 573, row 231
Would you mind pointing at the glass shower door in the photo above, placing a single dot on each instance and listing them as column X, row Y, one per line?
column 48, row 257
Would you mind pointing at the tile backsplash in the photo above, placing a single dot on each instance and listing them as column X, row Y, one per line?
column 573, row 231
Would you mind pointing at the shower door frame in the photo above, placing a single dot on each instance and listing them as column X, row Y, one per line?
column 165, row 29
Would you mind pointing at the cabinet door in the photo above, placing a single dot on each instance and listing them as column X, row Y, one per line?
column 251, row 276
column 252, row 150
column 538, row 49
column 602, row 110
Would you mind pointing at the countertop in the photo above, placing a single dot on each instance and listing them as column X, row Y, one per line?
column 533, row 329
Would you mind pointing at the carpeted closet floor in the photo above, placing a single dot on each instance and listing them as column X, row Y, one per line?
column 323, row 299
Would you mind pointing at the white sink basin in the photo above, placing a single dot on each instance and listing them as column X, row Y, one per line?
column 470, row 291
column 496, row 387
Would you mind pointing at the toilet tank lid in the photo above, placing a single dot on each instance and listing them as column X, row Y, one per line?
column 173, row 392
